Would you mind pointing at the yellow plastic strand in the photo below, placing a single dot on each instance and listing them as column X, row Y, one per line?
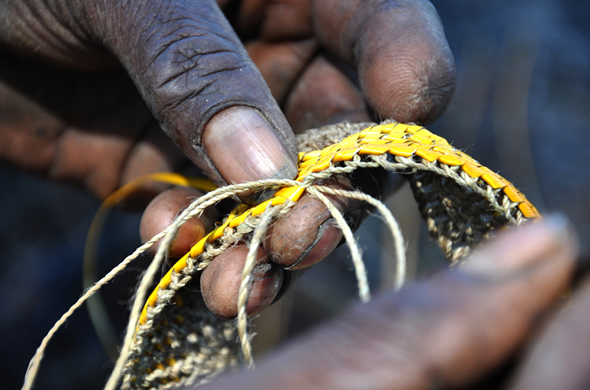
column 395, row 139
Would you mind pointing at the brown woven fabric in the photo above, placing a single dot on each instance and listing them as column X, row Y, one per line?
column 183, row 344
column 188, row 344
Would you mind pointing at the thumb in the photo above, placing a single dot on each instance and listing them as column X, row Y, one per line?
column 187, row 63
column 207, row 94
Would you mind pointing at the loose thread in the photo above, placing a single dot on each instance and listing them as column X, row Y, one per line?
column 33, row 367
column 355, row 252
column 390, row 221
column 246, row 283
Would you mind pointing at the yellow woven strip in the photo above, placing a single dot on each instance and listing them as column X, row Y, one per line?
column 163, row 177
column 394, row 138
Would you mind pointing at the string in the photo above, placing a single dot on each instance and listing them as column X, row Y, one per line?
column 390, row 221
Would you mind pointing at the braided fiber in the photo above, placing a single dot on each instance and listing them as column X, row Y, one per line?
column 461, row 201
column 177, row 342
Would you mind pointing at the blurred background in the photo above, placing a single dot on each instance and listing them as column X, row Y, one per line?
column 522, row 108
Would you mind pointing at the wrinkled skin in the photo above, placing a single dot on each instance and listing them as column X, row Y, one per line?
column 87, row 86
column 70, row 72
column 460, row 329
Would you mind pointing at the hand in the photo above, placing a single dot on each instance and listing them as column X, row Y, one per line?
column 75, row 115
column 452, row 330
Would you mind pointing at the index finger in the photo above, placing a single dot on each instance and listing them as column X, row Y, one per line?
column 405, row 65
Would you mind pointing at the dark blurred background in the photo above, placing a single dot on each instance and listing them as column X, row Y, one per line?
column 522, row 108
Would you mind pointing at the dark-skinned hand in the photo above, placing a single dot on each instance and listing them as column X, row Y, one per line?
column 86, row 87
column 501, row 313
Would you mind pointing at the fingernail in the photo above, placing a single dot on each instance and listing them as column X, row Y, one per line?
column 188, row 234
column 267, row 282
column 524, row 247
column 243, row 147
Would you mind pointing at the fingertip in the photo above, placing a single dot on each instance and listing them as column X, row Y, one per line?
column 294, row 235
column 308, row 233
column 412, row 89
column 220, row 283
column 406, row 68
column 410, row 77
column 266, row 285
column 328, row 237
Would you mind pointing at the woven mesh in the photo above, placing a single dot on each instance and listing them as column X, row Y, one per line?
column 178, row 342
column 188, row 343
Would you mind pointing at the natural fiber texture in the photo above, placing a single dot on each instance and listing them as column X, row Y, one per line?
column 355, row 251
column 177, row 342
column 396, row 232
column 462, row 201
column 246, row 283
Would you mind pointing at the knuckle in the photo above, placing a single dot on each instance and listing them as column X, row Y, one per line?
column 188, row 67
column 187, row 62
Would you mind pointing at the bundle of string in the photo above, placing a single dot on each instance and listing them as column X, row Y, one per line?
column 174, row 341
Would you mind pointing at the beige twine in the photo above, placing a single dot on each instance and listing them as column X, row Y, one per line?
column 245, row 284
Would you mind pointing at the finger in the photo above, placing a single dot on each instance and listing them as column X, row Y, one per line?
column 271, row 21
column 561, row 358
column 308, row 233
column 220, row 282
column 405, row 66
column 324, row 95
column 209, row 97
column 190, row 68
column 164, row 209
column 446, row 331
column 280, row 63
column 305, row 237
